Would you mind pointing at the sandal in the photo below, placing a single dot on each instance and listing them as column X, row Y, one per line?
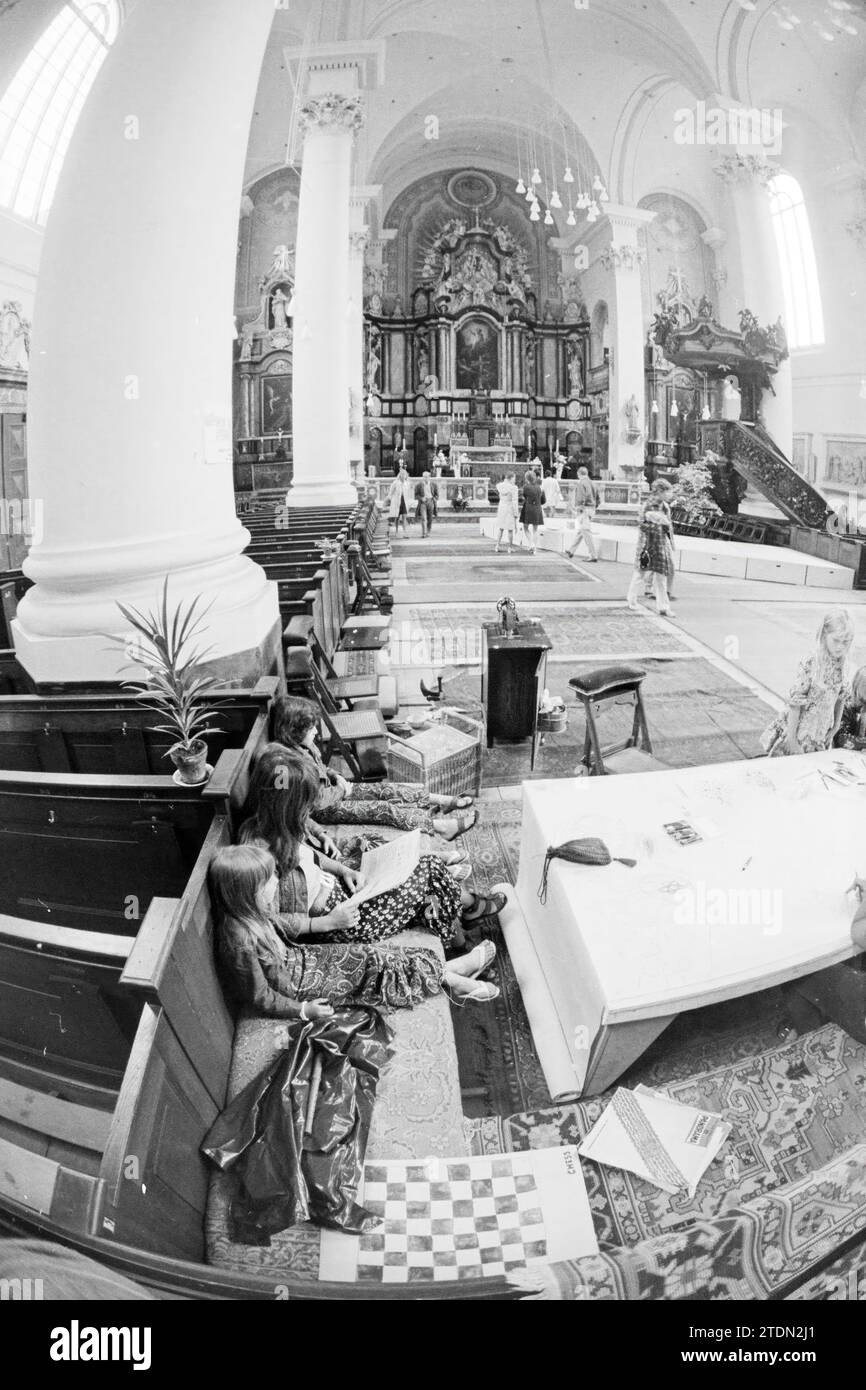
column 452, row 803
column 463, row 824
column 486, row 952
column 481, row 994
column 484, row 907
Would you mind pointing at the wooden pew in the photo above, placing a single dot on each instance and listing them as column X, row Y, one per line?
column 108, row 734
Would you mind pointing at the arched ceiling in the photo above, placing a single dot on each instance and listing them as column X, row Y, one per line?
column 559, row 75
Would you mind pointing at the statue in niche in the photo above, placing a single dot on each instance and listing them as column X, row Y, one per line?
column 398, row 312
column 279, row 306
column 529, row 363
column 705, row 308
column 374, row 362
column 422, row 360
column 575, row 369
column 631, row 410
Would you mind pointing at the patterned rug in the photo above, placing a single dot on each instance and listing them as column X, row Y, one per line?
column 793, row 1108
column 764, row 1249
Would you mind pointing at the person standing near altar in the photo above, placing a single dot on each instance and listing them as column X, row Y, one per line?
column 400, row 500
column 426, row 496
column 586, row 502
column 531, row 513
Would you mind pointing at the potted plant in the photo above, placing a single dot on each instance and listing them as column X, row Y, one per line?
column 175, row 687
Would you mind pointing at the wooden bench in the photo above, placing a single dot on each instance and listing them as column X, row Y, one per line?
column 107, row 734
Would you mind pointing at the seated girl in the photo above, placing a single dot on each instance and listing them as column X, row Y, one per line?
column 809, row 722
column 283, row 791
column 277, row 968
column 852, row 724
column 399, row 804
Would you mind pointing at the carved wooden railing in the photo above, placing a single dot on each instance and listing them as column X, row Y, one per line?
column 757, row 458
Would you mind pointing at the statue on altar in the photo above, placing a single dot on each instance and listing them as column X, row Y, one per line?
column 575, row 369
column 279, row 308
column 422, row 361
column 283, row 267
column 374, row 362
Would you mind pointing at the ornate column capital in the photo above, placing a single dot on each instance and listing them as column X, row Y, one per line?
column 744, row 169
column 333, row 112
column 622, row 256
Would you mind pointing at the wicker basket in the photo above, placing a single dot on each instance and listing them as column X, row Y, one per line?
column 446, row 759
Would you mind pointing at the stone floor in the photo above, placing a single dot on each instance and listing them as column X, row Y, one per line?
column 716, row 673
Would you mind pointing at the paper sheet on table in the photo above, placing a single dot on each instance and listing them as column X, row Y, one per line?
column 646, row 1133
column 389, row 865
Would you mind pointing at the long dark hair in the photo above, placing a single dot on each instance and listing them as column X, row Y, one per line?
column 236, row 875
column 291, row 717
column 283, row 790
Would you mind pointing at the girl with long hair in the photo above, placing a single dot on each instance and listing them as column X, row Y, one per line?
column 399, row 804
column 283, row 791
column 811, row 717
column 275, row 970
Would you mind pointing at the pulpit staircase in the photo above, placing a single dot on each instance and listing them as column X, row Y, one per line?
column 754, row 454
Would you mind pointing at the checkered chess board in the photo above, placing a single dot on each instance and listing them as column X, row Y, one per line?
column 470, row 1221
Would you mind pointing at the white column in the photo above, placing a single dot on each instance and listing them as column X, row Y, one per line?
column 624, row 258
column 320, row 383
column 130, row 376
column 747, row 178
column 359, row 237
column 723, row 300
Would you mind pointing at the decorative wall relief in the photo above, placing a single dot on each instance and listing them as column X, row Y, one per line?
column 14, row 336
column 846, row 462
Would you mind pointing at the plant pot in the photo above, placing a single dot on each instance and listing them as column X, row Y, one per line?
column 190, row 761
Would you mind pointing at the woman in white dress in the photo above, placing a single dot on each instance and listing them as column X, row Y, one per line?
column 506, row 513
column 400, row 499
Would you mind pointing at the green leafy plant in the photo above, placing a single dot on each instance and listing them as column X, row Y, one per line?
column 176, row 688
column 692, row 492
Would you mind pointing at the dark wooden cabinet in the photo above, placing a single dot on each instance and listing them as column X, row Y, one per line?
column 512, row 681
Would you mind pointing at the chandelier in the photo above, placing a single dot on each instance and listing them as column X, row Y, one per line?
column 538, row 182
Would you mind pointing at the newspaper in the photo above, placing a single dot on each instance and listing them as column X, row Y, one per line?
column 388, row 865
column 657, row 1138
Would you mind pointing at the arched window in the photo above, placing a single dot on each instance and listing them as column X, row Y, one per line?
column 805, row 321
column 40, row 106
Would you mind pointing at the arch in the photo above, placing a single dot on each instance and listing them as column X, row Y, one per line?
column 800, row 286
column 41, row 105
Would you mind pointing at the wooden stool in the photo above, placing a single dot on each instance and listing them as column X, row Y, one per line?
column 596, row 688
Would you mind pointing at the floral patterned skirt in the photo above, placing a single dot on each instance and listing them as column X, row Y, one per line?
column 430, row 898
column 383, row 975
column 401, row 805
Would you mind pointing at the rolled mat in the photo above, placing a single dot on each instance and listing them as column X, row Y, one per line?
column 550, row 1041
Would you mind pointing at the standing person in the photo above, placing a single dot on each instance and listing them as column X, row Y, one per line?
column 659, row 493
column 551, row 494
column 654, row 555
column 399, row 495
column 531, row 514
column 586, row 502
column 506, row 512
column 426, row 494
column 811, row 717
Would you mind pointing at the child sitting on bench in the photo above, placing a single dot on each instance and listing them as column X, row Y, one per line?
column 278, row 977
column 402, row 805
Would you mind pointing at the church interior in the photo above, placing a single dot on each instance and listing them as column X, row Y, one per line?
column 448, row 421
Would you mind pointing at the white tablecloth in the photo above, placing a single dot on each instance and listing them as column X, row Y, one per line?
column 760, row 899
